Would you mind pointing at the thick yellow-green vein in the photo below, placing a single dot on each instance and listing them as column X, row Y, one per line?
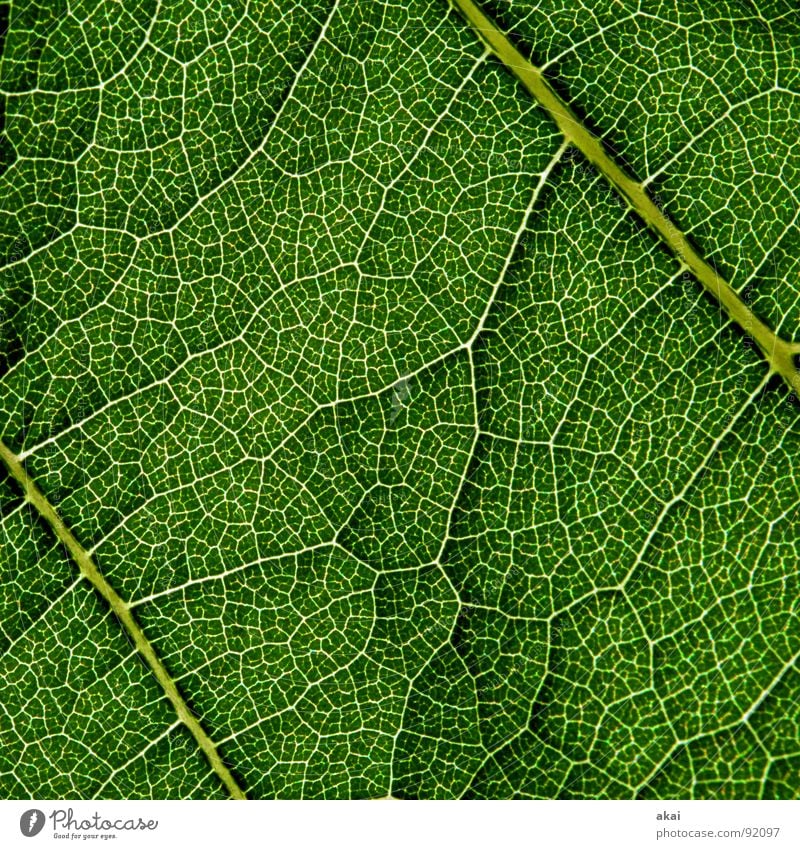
column 779, row 353
column 89, row 570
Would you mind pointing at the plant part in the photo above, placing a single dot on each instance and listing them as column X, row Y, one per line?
column 385, row 413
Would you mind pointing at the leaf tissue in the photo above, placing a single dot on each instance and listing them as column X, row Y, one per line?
column 399, row 399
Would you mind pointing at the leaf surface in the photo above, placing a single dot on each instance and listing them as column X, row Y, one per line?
column 424, row 466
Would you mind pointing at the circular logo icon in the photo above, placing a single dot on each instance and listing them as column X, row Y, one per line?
column 31, row 822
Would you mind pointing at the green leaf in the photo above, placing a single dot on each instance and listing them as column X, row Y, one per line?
column 366, row 433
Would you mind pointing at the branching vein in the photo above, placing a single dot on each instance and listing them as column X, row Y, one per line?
column 779, row 353
column 89, row 570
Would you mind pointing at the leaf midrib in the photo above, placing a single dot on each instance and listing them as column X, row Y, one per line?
column 89, row 570
column 778, row 352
